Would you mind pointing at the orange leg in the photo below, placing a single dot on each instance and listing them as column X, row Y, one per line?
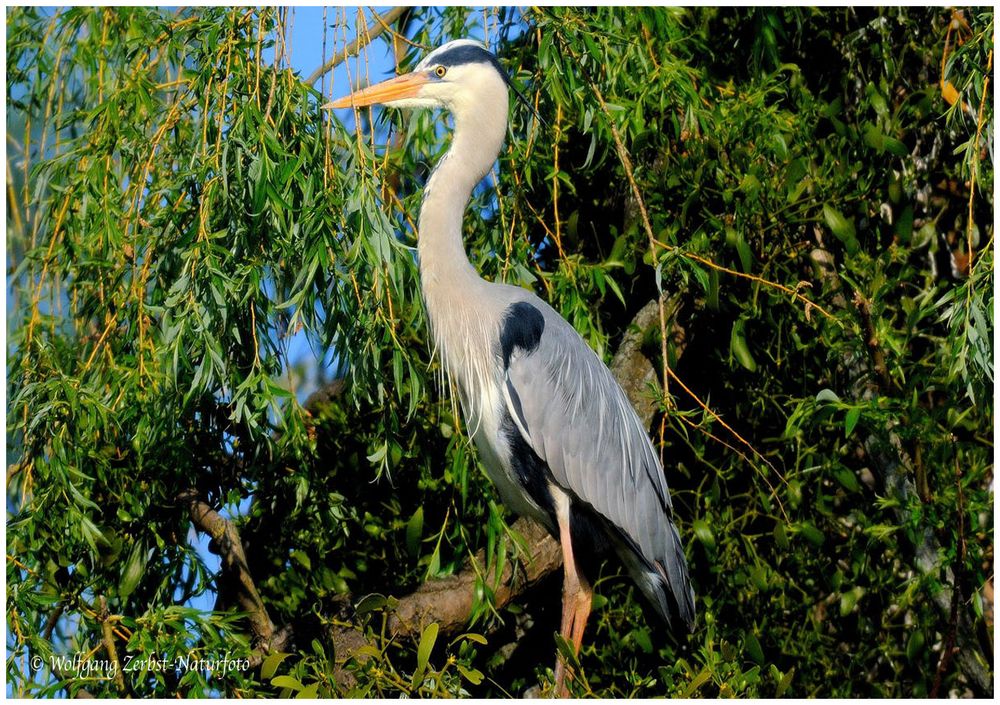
column 577, row 594
column 584, row 601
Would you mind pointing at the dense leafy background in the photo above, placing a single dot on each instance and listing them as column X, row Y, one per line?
column 180, row 212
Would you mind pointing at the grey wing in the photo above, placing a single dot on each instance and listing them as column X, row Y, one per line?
column 577, row 419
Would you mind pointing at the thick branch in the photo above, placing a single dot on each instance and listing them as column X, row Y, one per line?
column 376, row 28
column 281, row 641
column 234, row 564
column 448, row 601
column 630, row 366
column 52, row 621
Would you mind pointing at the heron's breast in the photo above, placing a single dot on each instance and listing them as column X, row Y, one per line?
column 471, row 351
column 490, row 428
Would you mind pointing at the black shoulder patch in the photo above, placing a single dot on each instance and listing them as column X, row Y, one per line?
column 522, row 328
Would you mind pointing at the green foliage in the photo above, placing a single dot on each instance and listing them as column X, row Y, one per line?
column 181, row 213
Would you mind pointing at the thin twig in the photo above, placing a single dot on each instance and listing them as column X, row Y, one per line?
column 557, row 129
column 864, row 308
column 399, row 36
column 737, row 436
column 363, row 39
column 949, row 647
column 640, row 202
column 754, row 278
column 973, row 172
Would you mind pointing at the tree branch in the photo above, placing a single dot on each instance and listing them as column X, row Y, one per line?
column 281, row 641
column 448, row 601
column 956, row 592
column 52, row 621
column 234, row 564
column 630, row 366
column 376, row 28
column 108, row 638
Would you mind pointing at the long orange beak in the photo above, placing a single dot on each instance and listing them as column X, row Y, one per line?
column 405, row 86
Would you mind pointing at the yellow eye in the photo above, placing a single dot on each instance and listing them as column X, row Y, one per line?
column 440, row 71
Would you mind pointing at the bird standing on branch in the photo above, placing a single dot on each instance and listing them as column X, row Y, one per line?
column 556, row 432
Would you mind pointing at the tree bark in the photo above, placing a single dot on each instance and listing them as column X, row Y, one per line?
column 236, row 574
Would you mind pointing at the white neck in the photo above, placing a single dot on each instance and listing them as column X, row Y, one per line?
column 480, row 128
column 458, row 307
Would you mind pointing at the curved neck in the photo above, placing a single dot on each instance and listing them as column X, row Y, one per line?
column 479, row 133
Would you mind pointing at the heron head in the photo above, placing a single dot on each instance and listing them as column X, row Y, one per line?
column 458, row 75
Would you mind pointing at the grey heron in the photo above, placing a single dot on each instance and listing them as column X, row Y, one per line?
column 555, row 431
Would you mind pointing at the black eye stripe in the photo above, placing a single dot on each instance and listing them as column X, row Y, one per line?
column 472, row 54
column 467, row 54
